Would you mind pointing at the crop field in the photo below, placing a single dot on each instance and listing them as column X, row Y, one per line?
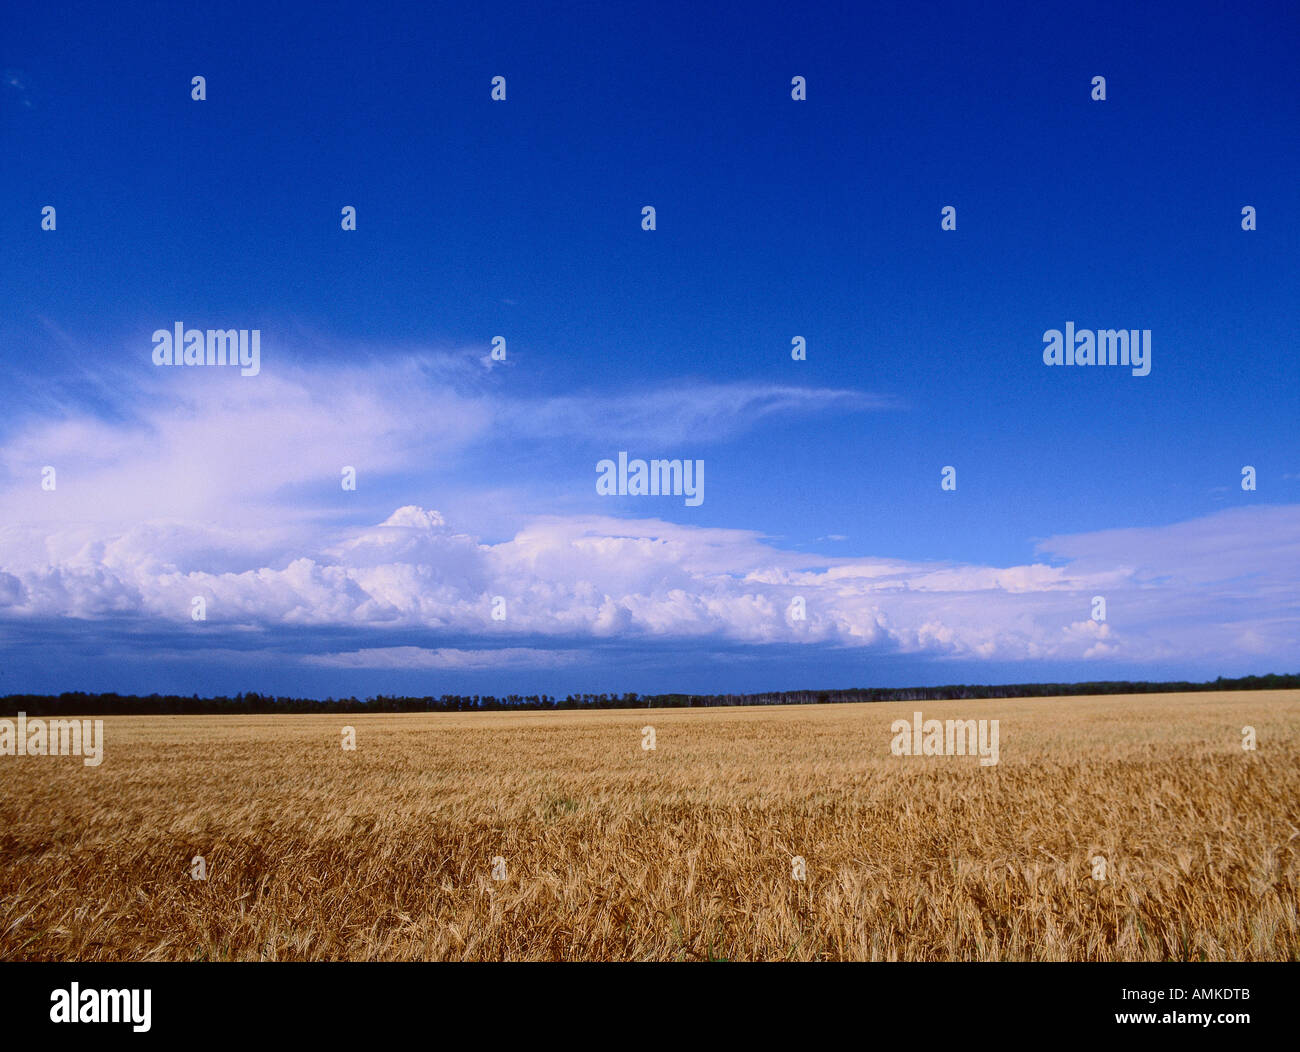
column 1110, row 828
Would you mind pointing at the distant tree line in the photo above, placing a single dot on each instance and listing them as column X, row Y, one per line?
column 83, row 704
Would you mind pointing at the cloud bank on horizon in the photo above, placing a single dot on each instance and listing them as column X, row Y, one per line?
column 214, row 490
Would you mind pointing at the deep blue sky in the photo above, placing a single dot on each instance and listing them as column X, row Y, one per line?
column 775, row 219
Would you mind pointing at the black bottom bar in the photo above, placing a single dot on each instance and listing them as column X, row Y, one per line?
column 572, row 1001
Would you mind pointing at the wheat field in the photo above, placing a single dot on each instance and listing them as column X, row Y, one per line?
column 557, row 836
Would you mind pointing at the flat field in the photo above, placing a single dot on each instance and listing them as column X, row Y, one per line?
column 609, row 851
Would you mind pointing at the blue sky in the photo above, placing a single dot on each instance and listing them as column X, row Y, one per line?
column 522, row 218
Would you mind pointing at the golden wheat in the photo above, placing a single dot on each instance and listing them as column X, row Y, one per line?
column 614, row 852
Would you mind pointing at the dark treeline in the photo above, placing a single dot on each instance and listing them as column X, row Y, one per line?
column 82, row 704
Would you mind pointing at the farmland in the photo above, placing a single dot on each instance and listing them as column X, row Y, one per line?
column 1110, row 828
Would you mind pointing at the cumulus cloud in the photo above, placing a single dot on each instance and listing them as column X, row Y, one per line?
column 570, row 582
column 203, row 484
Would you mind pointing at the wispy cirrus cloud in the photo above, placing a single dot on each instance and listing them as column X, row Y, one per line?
column 207, row 444
column 675, row 411
column 17, row 87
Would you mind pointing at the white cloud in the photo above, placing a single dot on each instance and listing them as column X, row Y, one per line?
column 582, row 580
column 225, row 487
column 408, row 658
column 209, row 445
column 675, row 412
